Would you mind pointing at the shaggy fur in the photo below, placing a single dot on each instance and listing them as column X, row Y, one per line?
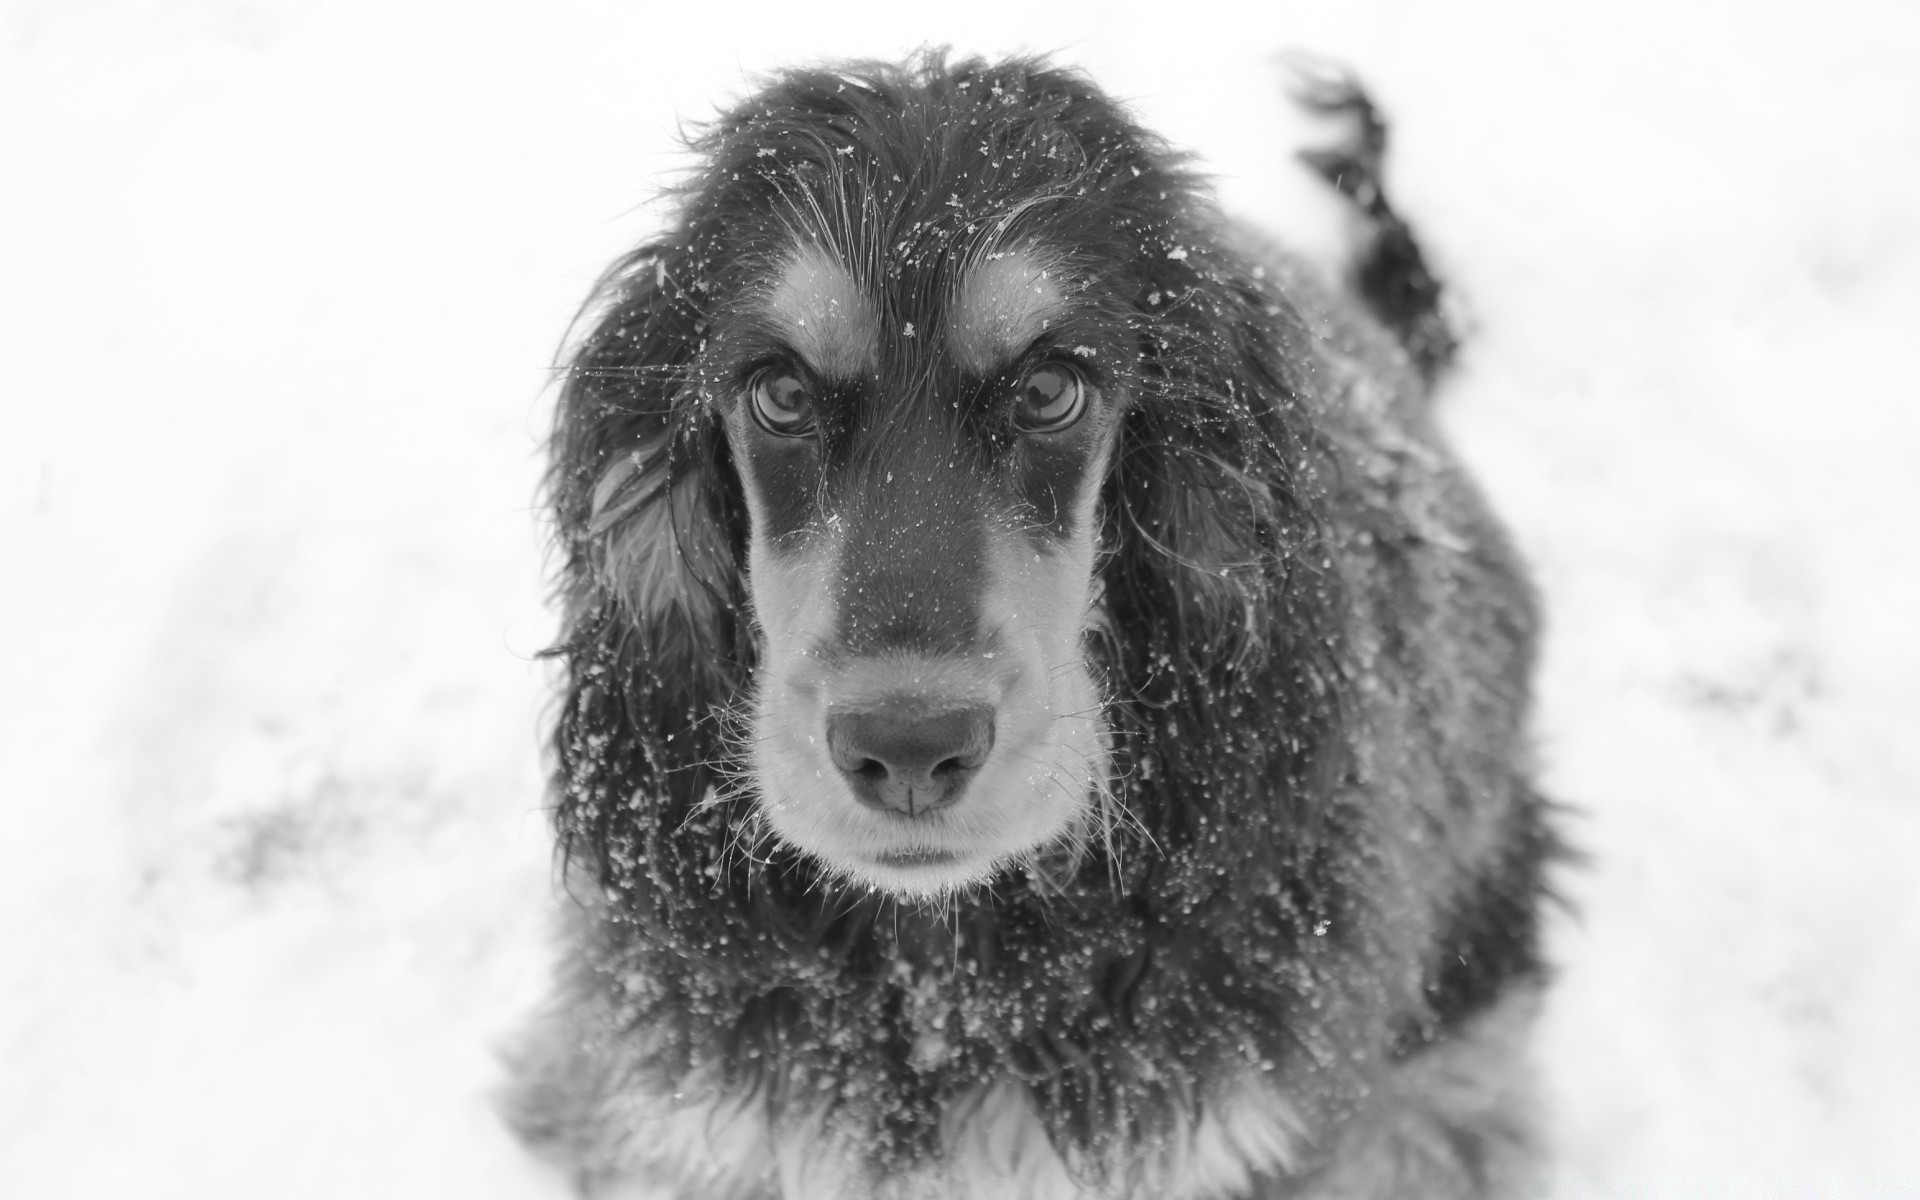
column 1273, row 931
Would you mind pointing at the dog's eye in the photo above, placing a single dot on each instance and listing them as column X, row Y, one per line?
column 782, row 405
column 1050, row 398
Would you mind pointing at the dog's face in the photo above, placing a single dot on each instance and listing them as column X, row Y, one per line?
column 897, row 335
column 921, row 451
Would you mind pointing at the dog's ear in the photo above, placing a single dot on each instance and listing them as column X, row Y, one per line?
column 1214, row 490
column 1219, row 586
column 641, row 486
column 652, row 528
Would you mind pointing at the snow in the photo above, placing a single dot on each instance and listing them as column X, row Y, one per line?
column 282, row 283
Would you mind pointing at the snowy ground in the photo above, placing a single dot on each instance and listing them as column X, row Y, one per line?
column 279, row 284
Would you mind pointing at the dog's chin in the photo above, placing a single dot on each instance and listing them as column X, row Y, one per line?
column 863, row 854
column 920, row 874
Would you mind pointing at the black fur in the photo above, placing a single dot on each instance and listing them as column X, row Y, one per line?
column 1390, row 273
column 1317, row 651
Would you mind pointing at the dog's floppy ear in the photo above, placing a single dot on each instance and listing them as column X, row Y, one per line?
column 1219, row 476
column 652, row 529
column 639, row 478
column 1220, row 587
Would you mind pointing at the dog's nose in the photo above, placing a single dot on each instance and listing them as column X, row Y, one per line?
column 909, row 758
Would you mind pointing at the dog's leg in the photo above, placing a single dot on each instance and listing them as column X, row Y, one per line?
column 1454, row 1122
column 582, row 1098
column 555, row 1102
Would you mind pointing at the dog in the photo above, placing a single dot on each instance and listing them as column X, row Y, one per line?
column 1044, row 712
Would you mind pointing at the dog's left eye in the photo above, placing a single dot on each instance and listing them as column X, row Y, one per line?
column 1050, row 398
column 782, row 405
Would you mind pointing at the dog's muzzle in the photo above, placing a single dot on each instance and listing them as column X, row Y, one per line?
column 925, row 714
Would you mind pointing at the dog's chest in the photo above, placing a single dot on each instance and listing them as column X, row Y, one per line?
column 993, row 1146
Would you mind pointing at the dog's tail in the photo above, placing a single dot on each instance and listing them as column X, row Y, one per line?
column 1390, row 272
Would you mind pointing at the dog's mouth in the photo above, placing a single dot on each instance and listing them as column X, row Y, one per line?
column 922, row 857
column 923, row 872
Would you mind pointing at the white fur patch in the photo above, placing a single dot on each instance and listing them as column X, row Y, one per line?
column 825, row 314
column 1003, row 302
column 714, row 1146
column 658, row 552
column 995, row 1148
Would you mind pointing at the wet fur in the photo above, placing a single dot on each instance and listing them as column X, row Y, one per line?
column 1296, row 955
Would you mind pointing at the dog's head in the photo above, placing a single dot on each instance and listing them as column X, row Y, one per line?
column 849, row 455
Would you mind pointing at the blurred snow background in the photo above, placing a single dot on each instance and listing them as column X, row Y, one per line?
column 279, row 288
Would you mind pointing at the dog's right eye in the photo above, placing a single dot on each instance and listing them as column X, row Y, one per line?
column 1049, row 399
column 782, row 405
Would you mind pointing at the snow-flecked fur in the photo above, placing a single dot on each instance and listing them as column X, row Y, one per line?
column 1301, row 960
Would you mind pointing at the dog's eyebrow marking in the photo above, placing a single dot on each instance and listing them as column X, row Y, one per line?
column 825, row 315
column 1003, row 302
